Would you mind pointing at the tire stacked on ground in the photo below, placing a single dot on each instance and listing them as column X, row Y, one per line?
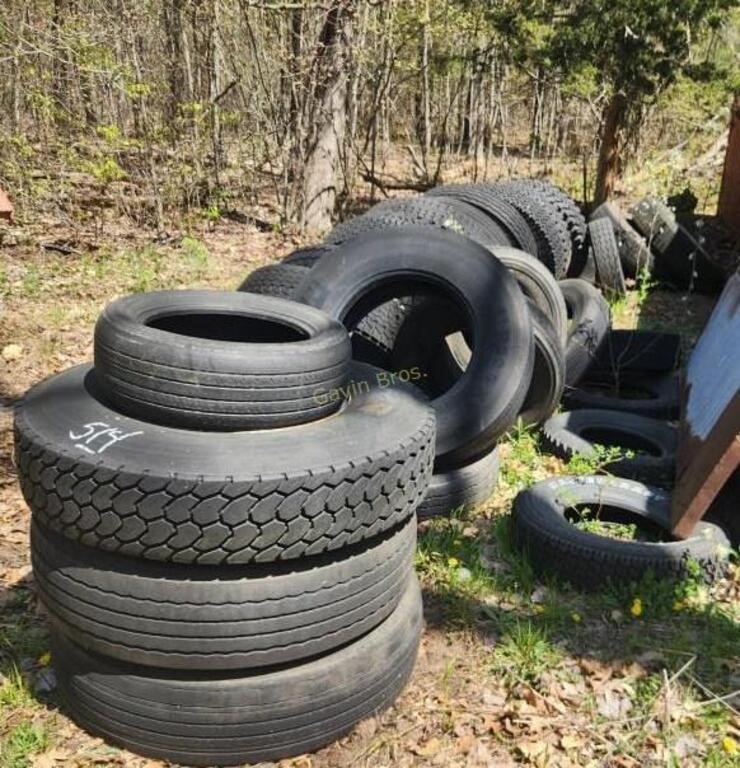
column 224, row 528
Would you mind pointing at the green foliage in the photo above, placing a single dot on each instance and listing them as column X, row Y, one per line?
column 19, row 746
column 524, row 653
column 106, row 170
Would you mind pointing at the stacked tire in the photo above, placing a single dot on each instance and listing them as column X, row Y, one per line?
column 224, row 527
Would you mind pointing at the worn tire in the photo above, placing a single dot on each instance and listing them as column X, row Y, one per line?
column 460, row 488
column 589, row 324
column 603, row 244
column 127, row 486
column 590, row 561
column 219, row 361
column 435, row 212
column 206, row 719
column 638, row 352
column 548, row 375
column 565, row 207
column 576, row 432
column 538, row 285
column 279, row 280
column 230, row 617
column 347, row 283
column 634, row 252
column 656, row 222
column 307, row 256
column 483, row 197
column 551, row 234
column 655, row 396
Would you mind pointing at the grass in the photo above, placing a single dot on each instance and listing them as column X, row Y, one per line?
column 19, row 746
column 524, row 653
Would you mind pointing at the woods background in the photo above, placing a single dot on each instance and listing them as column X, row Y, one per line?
column 288, row 111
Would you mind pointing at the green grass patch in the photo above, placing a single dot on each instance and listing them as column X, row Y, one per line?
column 21, row 743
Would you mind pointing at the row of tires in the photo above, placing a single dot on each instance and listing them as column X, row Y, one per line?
column 224, row 527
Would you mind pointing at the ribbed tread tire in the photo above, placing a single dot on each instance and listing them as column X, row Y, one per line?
column 656, row 222
column 603, row 244
column 198, row 617
column 275, row 280
column 234, row 719
column 461, row 488
column 438, row 213
column 196, row 378
column 591, row 562
column 484, row 197
column 633, row 250
column 176, row 495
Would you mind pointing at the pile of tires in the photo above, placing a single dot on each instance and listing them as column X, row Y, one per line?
column 223, row 527
column 486, row 297
column 650, row 242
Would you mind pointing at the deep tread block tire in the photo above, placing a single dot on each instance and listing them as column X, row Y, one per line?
column 222, row 361
column 483, row 197
column 564, row 205
column 460, row 488
column 220, row 617
column 218, row 719
column 553, row 241
column 589, row 324
column 603, row 244
column 279, row 280
column 437, row 213
column 360, row 274
column 127, row 486
column 589, row 561
column 653, row 442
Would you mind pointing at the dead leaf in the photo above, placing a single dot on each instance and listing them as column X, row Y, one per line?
column 12, row 352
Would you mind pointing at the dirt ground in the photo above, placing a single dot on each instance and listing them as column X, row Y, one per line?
column 511, row 671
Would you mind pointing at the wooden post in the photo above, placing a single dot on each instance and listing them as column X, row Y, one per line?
column 729, row 198
column 6, row 207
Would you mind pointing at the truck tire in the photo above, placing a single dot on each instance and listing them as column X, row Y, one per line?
column 219, row 361
column 123, row 485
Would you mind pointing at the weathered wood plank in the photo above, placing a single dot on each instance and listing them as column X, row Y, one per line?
column 709, row 441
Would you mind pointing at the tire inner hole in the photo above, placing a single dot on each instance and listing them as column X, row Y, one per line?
column 616, row 438
column 615, row 523
column 215, row 326
column 622, row 391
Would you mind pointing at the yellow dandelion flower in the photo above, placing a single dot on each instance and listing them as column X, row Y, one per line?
column 539, row 608
column 44, row 660
column 453, row 562
column 576, row 617
column 636, row 608
column 679, row 605
column 730, row 745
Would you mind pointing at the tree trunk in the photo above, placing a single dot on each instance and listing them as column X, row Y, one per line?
column 610, row 155
column 329, row 118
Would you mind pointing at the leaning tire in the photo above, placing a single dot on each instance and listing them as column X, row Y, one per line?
column 436, row 213
column 577, row 432
column 484, row 197
column 199, row 617
column 210, row 719
column 589, row 561
column 654, row 396
column 219, row 361
column 589, row 325
column 633, row 250
column 538, row 285
column 127, row 486
column 345, row 281
column 307, row 256
column 460, row 488
column 279, row 280
column 603, row 244
column 551, row 234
